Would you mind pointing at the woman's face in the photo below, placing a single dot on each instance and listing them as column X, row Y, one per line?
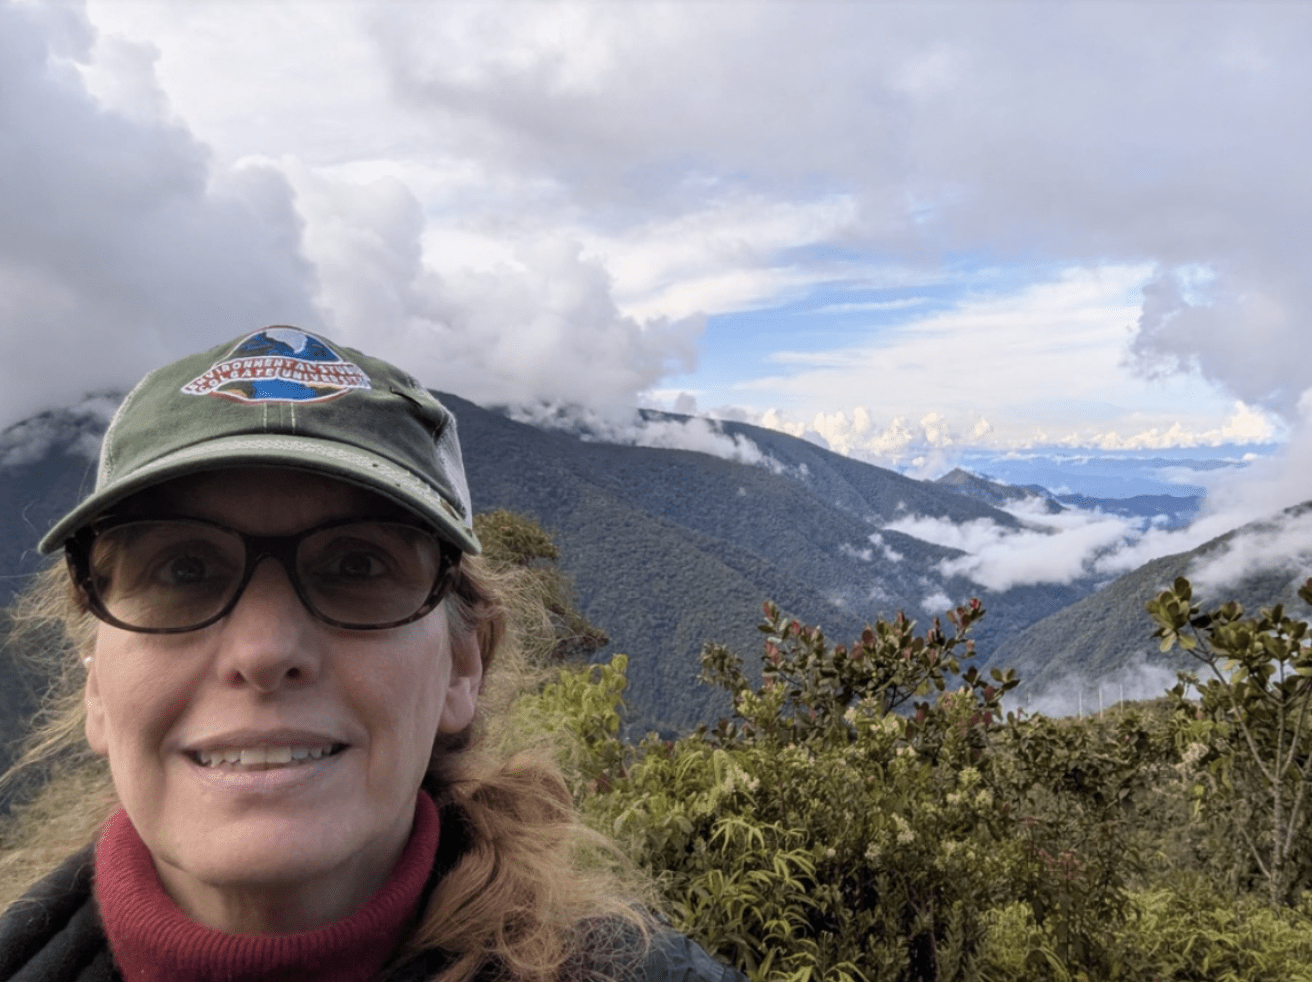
column 286, row 845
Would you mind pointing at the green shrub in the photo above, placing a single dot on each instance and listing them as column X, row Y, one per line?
column 870, row 815
column 1249, row 734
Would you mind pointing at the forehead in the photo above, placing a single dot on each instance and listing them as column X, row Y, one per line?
column 262, row 499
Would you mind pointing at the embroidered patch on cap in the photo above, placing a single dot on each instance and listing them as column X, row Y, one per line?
column 280, row 364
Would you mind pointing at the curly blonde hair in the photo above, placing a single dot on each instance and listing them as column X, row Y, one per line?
column 532, row 885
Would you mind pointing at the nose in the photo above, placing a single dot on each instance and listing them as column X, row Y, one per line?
column 269, row 639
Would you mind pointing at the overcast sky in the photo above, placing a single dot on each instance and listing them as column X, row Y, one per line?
column 892, row 225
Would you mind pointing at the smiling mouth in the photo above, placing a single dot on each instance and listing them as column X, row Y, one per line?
column 263, row 758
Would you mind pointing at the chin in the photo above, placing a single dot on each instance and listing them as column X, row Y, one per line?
column 267, row 854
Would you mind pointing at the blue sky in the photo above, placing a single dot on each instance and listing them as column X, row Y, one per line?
column 1005, row 359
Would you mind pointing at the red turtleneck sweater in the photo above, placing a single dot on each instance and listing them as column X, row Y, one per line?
column 153, row 941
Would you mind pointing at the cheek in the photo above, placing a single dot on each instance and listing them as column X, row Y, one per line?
column 409, row 696
column 133, row 696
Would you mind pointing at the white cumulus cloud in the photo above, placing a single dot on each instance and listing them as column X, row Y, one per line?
column 1054, row 549
column 1282, row 544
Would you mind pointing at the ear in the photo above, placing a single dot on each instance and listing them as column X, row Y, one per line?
column 95, row 716
column 464, row 685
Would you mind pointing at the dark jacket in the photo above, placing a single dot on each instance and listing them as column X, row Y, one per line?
column 53, row 934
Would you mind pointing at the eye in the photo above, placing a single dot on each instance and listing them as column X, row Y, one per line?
column 162, row 561
column 367, row 556
column 184, row 570
column 189, row 567
column 355, row 565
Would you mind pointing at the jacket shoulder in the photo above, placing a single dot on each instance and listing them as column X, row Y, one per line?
column 676, row 958
column 52, row 933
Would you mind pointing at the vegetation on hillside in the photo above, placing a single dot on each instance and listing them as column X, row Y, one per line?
column 870, row 813
column 559, row 632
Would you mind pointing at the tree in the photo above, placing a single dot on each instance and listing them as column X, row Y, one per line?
column 842, row 825
column 1250, row 733
column 515, row 543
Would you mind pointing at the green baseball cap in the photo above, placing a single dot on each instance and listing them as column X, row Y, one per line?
column 283, row 397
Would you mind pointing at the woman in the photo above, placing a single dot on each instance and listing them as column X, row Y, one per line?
column 280, row 632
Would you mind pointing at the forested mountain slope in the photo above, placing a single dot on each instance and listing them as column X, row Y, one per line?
column 668, row 548
column 1108, row 634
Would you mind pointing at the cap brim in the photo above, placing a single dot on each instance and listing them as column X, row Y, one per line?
column 348, row 463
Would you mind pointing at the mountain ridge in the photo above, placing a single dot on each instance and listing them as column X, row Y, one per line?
column 1109, row 632
column 668, row 548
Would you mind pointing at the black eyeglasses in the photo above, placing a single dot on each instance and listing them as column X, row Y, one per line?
column 170, row 575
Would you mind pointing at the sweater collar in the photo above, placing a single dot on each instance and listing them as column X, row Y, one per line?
column 153, row 941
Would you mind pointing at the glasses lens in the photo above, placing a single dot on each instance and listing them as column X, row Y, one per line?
column 166, row 574
column 367, row 574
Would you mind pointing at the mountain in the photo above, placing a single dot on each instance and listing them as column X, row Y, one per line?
column 668, row 548
column 1108, row 634
column 1164, row 510
column 1168, row 511
column 999, row 495
column 671, row 548
column 46, row 462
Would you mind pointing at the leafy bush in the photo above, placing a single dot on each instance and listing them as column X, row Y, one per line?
column 825, row 833
column 869, row 812
column 908, row 839
column 1191, row 934
column 1249, row 736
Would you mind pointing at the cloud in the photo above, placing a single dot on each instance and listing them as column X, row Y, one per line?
column 985, row 371
column 1078, row 543
column 937, row 602
column 1283, row 543
column 867, row 554
column 1237, row 497
column 76, row 430
column 935, row 442
column 116, row 261
column 119, row 247
column 888, row 552
column 1076, row 695
column 852, row 552
column 634, row 429
column 542, row 326
column 701, row 436
column 1249, row 313
column 657, row 161
column 1246, row 427
column 1054, row 549
column 871, row 306
column 1140, row 132
column 901, row 443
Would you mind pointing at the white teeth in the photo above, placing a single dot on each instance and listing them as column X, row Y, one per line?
column 261, row 756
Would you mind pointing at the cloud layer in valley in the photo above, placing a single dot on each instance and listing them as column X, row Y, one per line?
column 1080, row 543
column 1077, row 696
column 1050, row 549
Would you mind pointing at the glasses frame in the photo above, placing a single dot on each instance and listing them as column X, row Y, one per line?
column 282, row 548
